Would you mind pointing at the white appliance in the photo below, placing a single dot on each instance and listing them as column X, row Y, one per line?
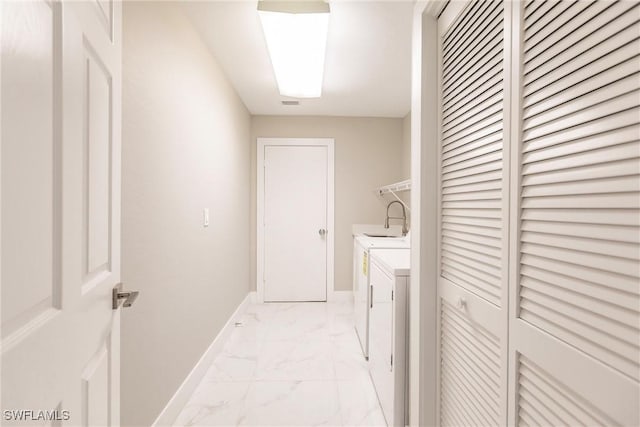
column 362, row 247
column 389, row 283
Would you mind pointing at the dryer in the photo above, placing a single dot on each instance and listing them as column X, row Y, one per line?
column 389, row 281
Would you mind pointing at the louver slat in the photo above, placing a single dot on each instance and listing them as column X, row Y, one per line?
column 543, row 57
column 473, row 39
column 458, row 101
column 541, row 8
column 555, row 25
column 582, row 68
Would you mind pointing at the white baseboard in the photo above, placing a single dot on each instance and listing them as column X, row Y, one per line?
column 332, row 296
column 340, row 296
column 182, row 395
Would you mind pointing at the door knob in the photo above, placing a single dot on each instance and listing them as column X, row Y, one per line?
column 118, row 295
column 322, row 232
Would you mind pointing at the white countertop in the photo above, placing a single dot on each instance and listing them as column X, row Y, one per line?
column 396, row 262
column 393, row 230
column 383, row 242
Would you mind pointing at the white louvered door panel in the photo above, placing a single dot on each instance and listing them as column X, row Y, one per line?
column 473, row 211
column 574, row 324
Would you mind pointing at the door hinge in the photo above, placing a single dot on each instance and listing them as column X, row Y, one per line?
column 391, row 295
column 392, row 360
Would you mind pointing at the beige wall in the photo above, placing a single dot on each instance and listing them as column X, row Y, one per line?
column 406, row 147
column 406, row 161
column 185, row 147
column 368, row 154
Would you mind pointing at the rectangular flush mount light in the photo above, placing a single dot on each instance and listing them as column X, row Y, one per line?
column 296, row 34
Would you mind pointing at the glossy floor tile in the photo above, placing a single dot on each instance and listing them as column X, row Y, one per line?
column 293, row 364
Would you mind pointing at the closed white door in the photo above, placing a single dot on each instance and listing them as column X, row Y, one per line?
column 574, row 346
column 60, row 212
column 295, row 222
column 473, row 214
column 539, row 213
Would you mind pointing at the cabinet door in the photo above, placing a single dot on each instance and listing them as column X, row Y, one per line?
column 473, row 213
column 574, row 324
column 381, row 339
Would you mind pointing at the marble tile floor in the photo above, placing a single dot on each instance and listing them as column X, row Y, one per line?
column 288, row 364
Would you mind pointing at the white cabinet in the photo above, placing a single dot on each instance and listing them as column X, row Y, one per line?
column 388, row 281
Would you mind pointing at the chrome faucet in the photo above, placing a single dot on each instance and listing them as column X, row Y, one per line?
column 405, row 230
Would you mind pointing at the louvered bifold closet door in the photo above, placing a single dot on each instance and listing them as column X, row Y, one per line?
column 574, row 332
column 472, row 246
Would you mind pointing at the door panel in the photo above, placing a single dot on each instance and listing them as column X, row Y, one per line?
column 478, row 272
column 60, row 211
column 95, row 384
column 558, row 269
column 473, row 213
column 97, row 144
column 295, row 210
column 575, row 277
column 470, row 367
column 31, row 268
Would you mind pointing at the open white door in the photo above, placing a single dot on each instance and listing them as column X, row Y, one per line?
column 61, row 79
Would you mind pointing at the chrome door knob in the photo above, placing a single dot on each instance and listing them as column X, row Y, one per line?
column 322, row 232
column 118, row 295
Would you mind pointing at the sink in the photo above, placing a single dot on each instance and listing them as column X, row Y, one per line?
column 379, row 235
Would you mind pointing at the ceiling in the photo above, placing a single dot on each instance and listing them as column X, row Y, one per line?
column 367, row 68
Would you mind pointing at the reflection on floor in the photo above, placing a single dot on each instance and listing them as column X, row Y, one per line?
column 296, row 364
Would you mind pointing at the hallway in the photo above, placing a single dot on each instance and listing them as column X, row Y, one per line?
column 288, row 364
column 454, row 184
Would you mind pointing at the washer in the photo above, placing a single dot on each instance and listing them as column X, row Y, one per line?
column 362, row 247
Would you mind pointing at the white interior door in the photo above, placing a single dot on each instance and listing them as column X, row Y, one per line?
column 295, row 221
column 61, row 66
column 473, row 214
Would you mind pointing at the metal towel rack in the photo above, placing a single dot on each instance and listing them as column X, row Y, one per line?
column 396, row 188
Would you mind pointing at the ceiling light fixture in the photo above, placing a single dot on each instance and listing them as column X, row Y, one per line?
column 296, row 35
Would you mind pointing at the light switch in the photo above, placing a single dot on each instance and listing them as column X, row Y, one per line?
column 205, row 214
